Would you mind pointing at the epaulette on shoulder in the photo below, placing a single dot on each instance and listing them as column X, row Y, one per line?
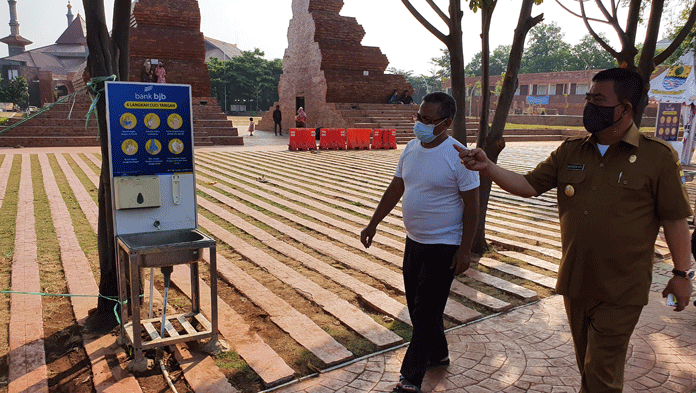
column 660, row 141
column 651, row 139
column 577, row 138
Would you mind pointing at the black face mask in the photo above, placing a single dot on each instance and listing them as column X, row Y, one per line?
column 596, row 118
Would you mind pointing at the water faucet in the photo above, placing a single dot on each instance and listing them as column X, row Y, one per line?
column 157, row 225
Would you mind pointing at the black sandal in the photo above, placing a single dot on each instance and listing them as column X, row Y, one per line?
column 437, row 363
column 404, row 386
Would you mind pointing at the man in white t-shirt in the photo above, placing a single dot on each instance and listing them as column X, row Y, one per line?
column 440, row 210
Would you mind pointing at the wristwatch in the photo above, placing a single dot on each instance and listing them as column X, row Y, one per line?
column 683, row 274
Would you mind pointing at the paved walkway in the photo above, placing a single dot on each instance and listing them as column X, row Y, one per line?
column 526, row 350
column 530, row 350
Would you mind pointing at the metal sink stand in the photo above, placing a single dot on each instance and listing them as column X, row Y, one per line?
column 158, row 249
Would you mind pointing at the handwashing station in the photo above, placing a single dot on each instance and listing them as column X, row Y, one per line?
column 155, row 211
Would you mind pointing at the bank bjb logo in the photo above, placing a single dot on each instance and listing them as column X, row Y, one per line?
column 676, row 77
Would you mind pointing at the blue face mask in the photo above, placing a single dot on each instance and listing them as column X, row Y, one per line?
column 425, row 132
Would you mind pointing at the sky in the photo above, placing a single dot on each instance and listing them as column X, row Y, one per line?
column 263, row 24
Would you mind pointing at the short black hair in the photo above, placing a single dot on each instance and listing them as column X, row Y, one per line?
column 628, row 85
column 448, row 107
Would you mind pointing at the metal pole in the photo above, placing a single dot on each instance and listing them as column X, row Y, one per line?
column 167, row 271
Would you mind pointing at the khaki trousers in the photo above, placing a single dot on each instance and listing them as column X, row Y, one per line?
column 601, row 332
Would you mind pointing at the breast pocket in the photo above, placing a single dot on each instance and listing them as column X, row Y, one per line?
column 627, row 187
column 571, row 186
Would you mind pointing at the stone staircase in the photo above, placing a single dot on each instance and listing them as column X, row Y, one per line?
column 64, row 125
column 399, row 117
column 387, row 116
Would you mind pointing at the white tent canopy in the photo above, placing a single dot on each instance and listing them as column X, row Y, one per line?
column 677, row 84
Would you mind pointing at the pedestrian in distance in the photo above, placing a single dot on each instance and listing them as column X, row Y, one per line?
column 394, row 98
column 615, row 188
column 440, row 213
column 161, row 73
column 406, row 98
column 277, row 120
column 251, row 126
column 301, row 118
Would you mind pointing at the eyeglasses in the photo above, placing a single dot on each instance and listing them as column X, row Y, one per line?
column 417, row 117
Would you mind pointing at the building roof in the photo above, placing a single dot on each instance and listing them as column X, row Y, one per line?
column 15, row 40
column 228, row 50
column 76, row 33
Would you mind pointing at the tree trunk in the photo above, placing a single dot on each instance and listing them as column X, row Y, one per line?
column 493, row 143
column 106, row 57
column 486, row 16
column 456, row 50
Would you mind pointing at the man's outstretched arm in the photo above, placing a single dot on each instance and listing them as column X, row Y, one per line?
column 391, row 197
column 512, row 182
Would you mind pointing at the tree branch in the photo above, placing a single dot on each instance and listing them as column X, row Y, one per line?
column 603, row 10
column 614, row 9
column 613, row 22
column 596, row 36
column 438, row 11
column 578, row 15
column 432, row 29
column 632, row 20
column 660, row 58
column 647, row 65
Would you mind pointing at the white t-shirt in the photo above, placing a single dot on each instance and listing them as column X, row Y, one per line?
column 432, row 206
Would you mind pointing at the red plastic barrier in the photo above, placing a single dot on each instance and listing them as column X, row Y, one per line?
column 302, row 139
column 384, row 139
column 377, row 139
column 332, row 138
column 391, row 144
column 358, row 138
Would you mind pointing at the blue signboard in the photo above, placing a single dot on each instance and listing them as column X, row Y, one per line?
column 538, row 100
column 150, row 128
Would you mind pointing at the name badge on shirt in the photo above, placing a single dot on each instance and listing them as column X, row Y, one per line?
column 575, row 167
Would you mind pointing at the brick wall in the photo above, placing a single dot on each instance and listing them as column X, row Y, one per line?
column 169, row 31
column 344, row 59
column 334, row 6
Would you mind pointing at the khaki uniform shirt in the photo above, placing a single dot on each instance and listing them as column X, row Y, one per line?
column 610, row 209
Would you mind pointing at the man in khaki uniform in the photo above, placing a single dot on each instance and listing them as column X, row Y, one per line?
column 615, row 188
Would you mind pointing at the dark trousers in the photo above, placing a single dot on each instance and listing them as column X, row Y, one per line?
column 427, row 279
column 601, row 332
column 277, row 125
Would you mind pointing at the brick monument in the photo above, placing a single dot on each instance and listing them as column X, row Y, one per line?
column 169, row 31
column 326, row 65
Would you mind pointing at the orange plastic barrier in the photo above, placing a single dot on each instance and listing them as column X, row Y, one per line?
column 332, row 138
column 358, row 138
column 302, row 139
column 384, row 139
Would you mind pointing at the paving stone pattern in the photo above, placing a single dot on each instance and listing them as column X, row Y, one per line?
column 287, row 213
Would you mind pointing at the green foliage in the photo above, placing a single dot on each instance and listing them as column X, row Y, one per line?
column 248, row 80
column 498, row 61
column 444, row 70
column 547, row 52
column 15, row 91
column 591, row 56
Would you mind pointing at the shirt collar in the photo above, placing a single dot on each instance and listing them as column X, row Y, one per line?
column 632, row 136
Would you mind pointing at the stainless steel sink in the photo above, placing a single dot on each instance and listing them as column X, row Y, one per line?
column 166, row 248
